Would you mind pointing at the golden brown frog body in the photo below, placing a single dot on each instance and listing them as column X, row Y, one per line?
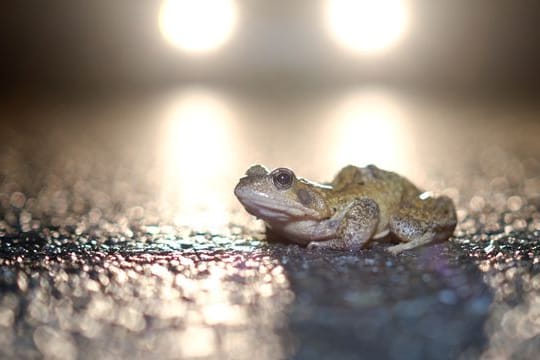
column 359, row 205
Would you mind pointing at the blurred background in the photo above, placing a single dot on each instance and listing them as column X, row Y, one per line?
column 65, row 47
column 184, row 95
column 125, row 125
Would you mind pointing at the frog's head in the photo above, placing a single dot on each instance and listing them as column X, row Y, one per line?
column 279, row 196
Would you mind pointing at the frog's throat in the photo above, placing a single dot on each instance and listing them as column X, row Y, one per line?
column 277, row 211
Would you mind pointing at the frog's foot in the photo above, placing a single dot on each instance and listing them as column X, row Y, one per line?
column 336, row 244
column 426, row 222
column 421, row 240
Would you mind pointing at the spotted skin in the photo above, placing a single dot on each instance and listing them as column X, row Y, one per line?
column 356, row 229
column 430, row 220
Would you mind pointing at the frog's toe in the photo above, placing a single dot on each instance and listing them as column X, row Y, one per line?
column 413, row 243
column 397, row 249
column 336, row 244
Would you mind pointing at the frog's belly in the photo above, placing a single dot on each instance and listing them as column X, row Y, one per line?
column 304, row 231
column 385, row 210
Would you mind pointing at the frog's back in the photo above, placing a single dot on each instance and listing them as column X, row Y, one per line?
column 388, row 189
column 371, row 178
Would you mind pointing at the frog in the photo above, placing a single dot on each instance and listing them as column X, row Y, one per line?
column 360, row 206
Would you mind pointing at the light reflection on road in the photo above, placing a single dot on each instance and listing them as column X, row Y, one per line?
column 208, row 140
column 197, row 148
column 121, row 178
column 368, row 127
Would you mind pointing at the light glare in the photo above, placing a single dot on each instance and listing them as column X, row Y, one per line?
column 196, row 152
column 366, row 26
column 197, row 26
column 367, row 129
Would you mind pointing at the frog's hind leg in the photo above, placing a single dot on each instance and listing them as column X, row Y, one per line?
column 425, row 221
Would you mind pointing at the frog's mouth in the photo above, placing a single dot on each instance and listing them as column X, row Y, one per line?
column 263, row 207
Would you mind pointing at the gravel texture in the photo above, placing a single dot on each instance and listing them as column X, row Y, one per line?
column 93, row 266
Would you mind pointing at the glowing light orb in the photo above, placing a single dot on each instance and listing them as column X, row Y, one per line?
column 366, row 26
column 368, row 128
column 198, row 26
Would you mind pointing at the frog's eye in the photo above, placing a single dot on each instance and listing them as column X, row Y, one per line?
column 283, row 178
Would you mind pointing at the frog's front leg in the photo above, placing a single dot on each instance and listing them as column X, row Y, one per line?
column 358, row 223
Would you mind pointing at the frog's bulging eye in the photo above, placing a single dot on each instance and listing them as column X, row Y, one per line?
column 283, row 178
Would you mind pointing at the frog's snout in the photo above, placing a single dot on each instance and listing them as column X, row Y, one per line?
column 240, row 188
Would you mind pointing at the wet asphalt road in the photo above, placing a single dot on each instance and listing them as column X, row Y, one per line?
column 92, row 265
